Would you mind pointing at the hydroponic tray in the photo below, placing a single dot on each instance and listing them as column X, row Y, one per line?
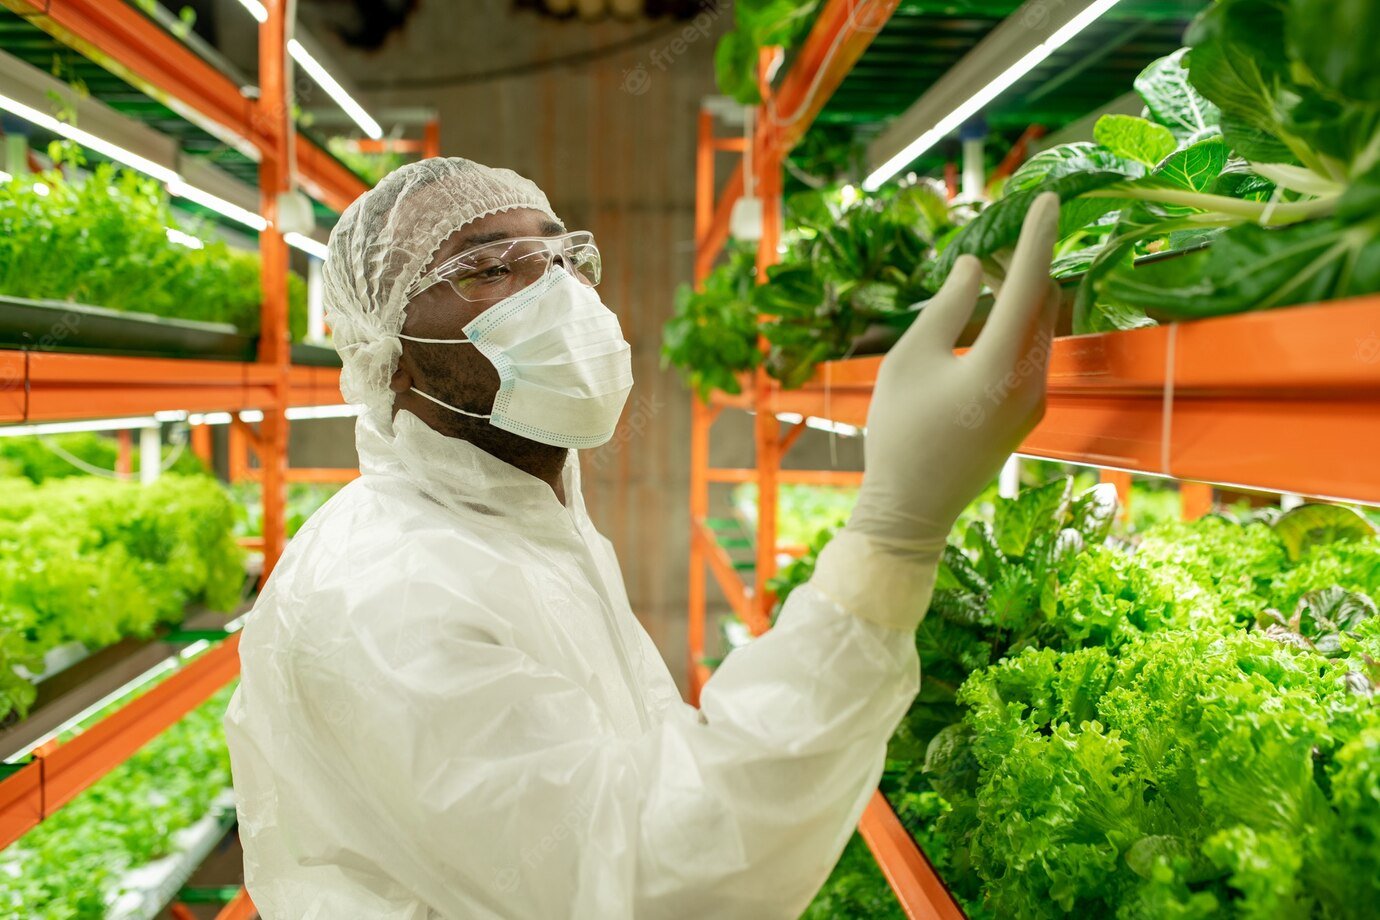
column 87, row 678
column 149, row 889
column 57, row 326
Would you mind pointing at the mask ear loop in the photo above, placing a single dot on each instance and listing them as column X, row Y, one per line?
column 446, row 405
column 413, row 338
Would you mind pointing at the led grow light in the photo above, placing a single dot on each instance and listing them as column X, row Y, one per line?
column 974, row 104
column 333, row 89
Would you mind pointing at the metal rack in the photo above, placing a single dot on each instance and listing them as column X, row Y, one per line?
column 42, row 386
column 1184, row 401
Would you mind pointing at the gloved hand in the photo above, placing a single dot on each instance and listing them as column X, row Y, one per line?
column 940, row 427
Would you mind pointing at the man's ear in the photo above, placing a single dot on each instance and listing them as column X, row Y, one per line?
column 402, row 377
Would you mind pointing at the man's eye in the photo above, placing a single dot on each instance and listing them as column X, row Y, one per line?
column 488, row 272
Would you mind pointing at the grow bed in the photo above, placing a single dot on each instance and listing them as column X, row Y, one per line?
column 48, row 325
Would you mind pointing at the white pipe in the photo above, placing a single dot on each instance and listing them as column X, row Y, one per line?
column 150, row 453
column 1009, row 480
column 316, row 302
column 974, row 167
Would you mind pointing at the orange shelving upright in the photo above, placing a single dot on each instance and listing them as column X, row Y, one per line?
column 842, row 31
column 39, row 386
column 1277, row 401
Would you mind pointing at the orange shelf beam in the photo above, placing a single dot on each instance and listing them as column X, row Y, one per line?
column 59, row 771
column 1281, row 400
column 918, row 887
column 317, row 474
column 724, row 573
column 132, row 46
column 806, row 477
column 45, row 387
column 239, row 908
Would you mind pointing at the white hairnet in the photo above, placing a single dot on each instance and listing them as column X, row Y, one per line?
column 385, row 240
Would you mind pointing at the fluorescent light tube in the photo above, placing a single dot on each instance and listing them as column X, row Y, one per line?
column 333, row 89
column 183, row 239
column 256, row 9
column 105, row 424
column 975, row 103
column 176, row 185
column 86, row 139
column 315, row 412
column 181, row 189
column 305, row 243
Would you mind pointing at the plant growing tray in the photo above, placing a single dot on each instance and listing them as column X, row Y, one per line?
column 50, row 325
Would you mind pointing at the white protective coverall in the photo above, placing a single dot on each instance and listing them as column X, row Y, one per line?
column 448, row 709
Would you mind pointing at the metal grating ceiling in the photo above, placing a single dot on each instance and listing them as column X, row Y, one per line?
column 924, row 38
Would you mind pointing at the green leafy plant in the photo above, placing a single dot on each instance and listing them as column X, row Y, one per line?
column 42, row 458
column 757, row 24
column 71, row 866
column 712, row 338
column 87, row 560
column 371, row 167
column 303, row 500
column 111, row 232
column 1134, row 729
column 1274, row 117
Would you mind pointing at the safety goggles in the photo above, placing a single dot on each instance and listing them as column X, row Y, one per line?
column 493, row 271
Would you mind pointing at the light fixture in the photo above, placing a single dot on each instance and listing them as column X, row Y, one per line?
column 180, row 189
column 305, row 243
column 298, row 413
column 256, row 9
column 974, row 104
column 333, row 89
column 88, row 140
column 183, row 239
column 105, row 424
column 175, row 183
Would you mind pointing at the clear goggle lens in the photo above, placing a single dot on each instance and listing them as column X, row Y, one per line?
column 500, row 269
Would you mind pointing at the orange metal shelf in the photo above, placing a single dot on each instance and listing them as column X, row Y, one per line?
column 738, row 595
column 40, row 386
column 917, row 886
column 1283, row 400
column 58, row 772
column 117, row 36
column 239, row 908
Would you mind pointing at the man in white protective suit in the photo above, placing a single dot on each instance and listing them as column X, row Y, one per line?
column 448, row 709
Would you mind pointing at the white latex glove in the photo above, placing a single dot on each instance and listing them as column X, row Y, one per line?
column 941, row 425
